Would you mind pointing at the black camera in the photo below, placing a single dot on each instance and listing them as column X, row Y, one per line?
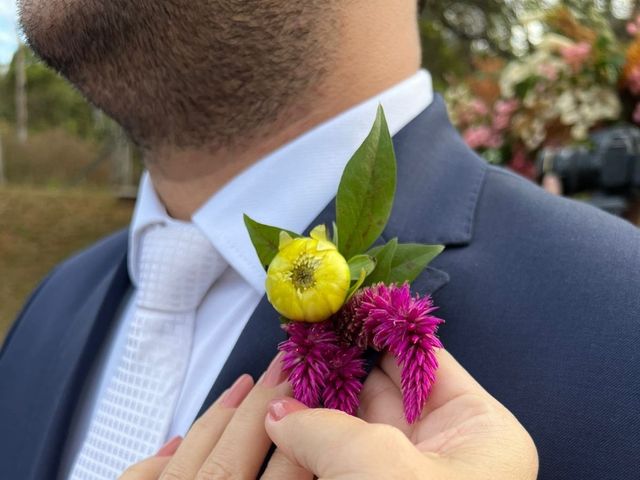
column 608, row 168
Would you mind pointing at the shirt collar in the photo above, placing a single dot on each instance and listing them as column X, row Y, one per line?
column 289, row 187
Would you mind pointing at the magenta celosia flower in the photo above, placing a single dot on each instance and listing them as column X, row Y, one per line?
column 321, row 368
column 405, row 326
column 324, row 360
column 344, row 381
column 306, row 359
column 349, row 321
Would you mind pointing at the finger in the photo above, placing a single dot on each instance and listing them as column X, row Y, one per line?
column 452, row 380
column 281, row 468
column 242, row 448
column 206, row 431
column 330, row 443
column 381, row 401
column 149, row 469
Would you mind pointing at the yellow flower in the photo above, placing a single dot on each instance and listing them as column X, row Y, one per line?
column 308, row 279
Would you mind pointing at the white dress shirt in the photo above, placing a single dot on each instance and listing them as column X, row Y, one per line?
column 288, row 188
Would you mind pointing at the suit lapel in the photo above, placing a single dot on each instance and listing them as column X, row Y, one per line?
column 435, row 203
column 69, row 366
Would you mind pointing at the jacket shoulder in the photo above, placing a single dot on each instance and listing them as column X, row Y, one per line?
column 525, row 204
column 557, row 238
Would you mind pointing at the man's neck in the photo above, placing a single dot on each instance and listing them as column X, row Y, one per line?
column 186, row 179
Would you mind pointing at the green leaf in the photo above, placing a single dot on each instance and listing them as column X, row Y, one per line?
column 265, row 239
column 335, row 234
column 410, row 260
column 357, row 285
column 359, row 263
column 366, row 191
column 384, row 259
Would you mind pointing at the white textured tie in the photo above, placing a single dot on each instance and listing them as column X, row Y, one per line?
column 178, row 265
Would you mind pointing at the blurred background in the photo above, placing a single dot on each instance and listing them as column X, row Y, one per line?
column 549, row 89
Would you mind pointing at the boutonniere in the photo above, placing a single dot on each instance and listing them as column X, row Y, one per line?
column 338, row 295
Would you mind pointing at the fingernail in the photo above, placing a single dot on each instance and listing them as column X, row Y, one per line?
column 170, row 447
column 274, row 375
column 234, row 396
column 278, row 409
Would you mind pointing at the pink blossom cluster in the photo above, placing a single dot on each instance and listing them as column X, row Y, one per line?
column 490, row 134
column 324, row 360
column 474, row 111
column 576, row 55
column 549, row 71
column 633, row 28
column 482, row 136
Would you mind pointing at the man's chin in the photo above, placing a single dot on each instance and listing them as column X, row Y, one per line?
column 70, row 33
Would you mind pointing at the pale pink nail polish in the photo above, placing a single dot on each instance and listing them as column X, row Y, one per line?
column 235, row 395
column 274, row 375
column 170, row 447
column 280, row 408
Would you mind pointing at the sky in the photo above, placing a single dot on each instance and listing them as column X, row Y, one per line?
column 8, row 40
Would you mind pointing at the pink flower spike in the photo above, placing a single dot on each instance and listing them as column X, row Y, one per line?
column 307, row 354
column 477, row 137
column 344, row 381
column 405, row 326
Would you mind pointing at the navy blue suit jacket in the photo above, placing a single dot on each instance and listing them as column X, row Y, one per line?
column 541, row 297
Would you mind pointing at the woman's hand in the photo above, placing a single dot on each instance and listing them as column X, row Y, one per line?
column 228, row 441
column 463, row 433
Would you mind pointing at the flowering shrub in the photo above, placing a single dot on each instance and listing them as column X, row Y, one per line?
column 567, row 85
column 630, row 78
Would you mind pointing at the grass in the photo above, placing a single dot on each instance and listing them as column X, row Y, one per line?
column 39, row 227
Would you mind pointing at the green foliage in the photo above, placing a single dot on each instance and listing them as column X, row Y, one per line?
column 265, row 239
column 359, row 282
column 51, row 101
column 361, row 263
column 366, row 191
column 384, row 259
column 409, row 260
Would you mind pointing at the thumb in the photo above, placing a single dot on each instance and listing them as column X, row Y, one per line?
column 330, row 443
